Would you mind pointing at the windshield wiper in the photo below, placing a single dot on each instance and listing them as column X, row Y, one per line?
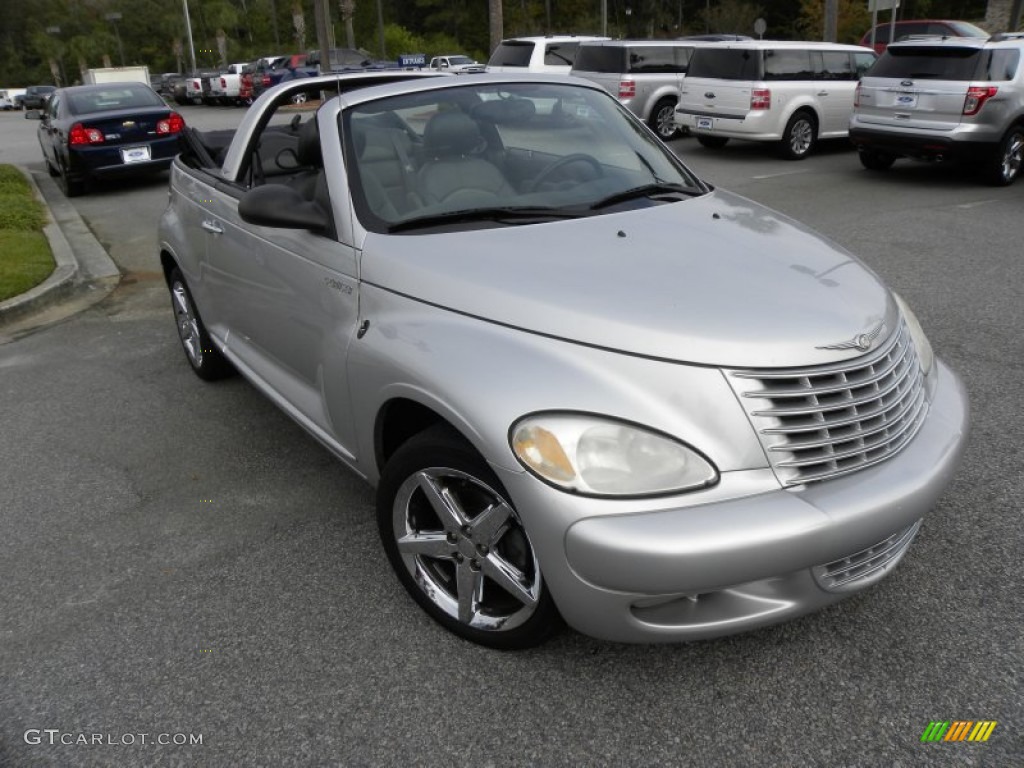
column 515, row 214
column 647, row 190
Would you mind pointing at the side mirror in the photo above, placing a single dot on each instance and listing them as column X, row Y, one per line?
column 277, row 205
column 34, row 114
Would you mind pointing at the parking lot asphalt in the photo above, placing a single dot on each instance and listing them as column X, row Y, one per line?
column 181, row 560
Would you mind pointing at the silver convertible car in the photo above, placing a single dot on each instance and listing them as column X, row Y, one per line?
column 586, row 385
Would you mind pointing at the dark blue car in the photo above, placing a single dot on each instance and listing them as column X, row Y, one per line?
column 106, row 130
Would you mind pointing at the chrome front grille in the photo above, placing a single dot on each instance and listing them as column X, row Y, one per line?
column 819, row 423
column 868, row 565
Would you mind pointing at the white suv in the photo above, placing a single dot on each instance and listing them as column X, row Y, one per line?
column 956, row 98
column 554, row 53
column 792, row 93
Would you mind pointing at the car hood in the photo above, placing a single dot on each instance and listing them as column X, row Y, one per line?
column 716, row 280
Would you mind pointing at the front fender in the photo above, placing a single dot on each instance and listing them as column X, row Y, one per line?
column 481, row 377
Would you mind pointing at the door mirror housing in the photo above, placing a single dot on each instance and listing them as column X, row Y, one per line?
column 278, row 205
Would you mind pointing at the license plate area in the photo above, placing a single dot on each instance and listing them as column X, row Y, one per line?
column 135, row 155
column 705, row 123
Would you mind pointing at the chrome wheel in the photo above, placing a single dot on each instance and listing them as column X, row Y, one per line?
column 1010, row 158
column 188, row 324
column 208, row 363
column 664, row 120
column 798, row 139
column 458, row 545
column 465, row 548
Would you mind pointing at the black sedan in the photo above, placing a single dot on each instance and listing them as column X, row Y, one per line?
column 107, row 130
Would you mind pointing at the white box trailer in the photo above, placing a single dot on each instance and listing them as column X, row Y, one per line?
column 117, row 75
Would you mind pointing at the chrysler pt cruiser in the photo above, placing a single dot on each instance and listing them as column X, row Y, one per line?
column 586, row 385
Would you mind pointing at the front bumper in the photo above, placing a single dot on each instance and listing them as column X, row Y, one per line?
column 691, row 572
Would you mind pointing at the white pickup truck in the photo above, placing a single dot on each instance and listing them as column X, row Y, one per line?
column 455, row 63
column 225, row 87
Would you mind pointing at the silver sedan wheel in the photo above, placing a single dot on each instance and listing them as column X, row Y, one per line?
column 188, row 325
column 466, row 549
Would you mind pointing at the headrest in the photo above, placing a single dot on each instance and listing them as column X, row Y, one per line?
column 308, row 150
column 451, row 134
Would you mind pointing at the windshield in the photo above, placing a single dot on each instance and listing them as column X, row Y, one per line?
column 503, row 154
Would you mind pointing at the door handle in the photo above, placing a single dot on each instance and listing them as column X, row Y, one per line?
column 212, row 226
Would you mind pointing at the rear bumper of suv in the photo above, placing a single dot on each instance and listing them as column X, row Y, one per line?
column 922, row 146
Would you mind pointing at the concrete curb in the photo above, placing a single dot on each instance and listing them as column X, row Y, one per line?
column 84, row 271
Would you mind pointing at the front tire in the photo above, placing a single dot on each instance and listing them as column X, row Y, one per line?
column 1005, row 164
column 459, row 547
column 799, row 137
column 663, row 119
column 207, row 362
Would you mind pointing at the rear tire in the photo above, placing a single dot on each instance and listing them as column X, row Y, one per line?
column 207, row 362
column 712, row 142
column 663, row 119
column 1003, row 168
column 799, row 137
column 70, row 187
column 876, row 161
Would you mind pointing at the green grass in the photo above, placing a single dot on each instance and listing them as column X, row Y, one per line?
column 25, row 259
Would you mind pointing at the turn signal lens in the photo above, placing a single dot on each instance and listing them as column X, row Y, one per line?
column 760, row 98
column 171, row 124
column 541, row 452
column 976, row 98
column 79, row 135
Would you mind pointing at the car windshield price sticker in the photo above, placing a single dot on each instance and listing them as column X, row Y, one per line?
column 135, row 155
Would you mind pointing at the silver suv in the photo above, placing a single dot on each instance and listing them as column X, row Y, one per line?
column 945, row 98
column 643, row 74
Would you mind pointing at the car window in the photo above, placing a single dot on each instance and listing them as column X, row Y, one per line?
column 926, row 63
column 999, row 64
column 862, row 62
column 550, row 148
column 601, row 58
column 654, row 59
column 112, row 98
column 512, row 53
column 837, row 65
column 560, row 54
column 787, row 65
column 725, row 64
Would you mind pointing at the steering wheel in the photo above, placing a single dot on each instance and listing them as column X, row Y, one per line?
column 562, row 162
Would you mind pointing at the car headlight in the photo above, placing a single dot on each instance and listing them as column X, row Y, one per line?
column 925, row 355
column 597, row 456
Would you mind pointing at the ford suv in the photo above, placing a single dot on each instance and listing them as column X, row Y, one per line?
column 938, row 99
column 644, row 74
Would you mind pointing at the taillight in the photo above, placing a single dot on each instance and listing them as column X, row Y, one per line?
column 223, row 83
column 760, row 98
column 627, row 89
column 856, row 96
column 266, row 81
column 976, row 98
column 173, row 123
column 79, row 135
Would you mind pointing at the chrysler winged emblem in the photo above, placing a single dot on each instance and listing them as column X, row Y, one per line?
column 861, row 341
